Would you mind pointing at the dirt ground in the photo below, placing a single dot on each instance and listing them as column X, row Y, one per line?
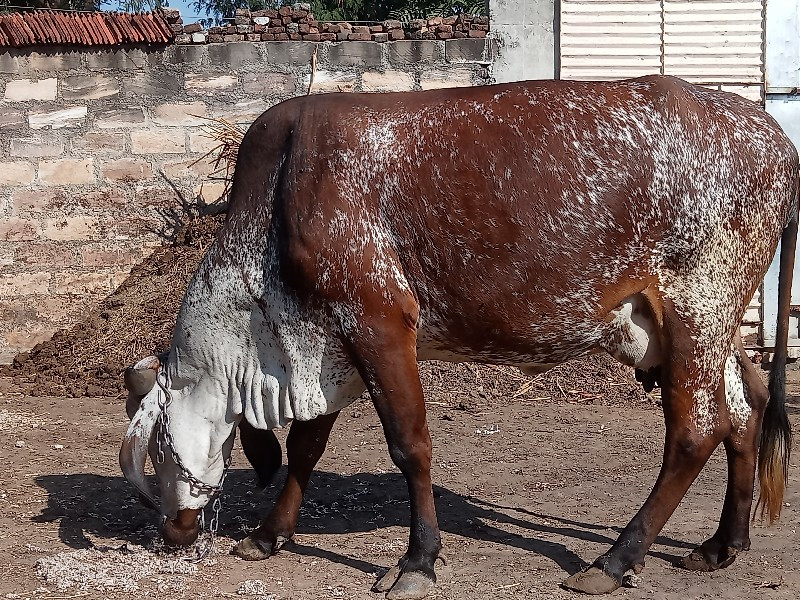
column 527, row 491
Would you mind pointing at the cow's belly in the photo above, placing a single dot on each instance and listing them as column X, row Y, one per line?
column 628, row 333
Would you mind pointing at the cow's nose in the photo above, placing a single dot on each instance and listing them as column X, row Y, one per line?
column 182, row 530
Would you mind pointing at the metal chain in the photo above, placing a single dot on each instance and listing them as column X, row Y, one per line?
column 164, row 400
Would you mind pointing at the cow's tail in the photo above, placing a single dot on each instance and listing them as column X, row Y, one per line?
column 776, row 433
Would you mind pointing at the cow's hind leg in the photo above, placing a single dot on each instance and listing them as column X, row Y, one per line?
column 304, row 447
column 385, row 354
column 691, row 437
column 746, row 398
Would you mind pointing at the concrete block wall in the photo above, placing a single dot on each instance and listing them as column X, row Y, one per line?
column 99, row 148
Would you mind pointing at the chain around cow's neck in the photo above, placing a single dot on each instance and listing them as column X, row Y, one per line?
column 164, row 400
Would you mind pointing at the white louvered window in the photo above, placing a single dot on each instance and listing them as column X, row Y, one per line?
column 716, row 43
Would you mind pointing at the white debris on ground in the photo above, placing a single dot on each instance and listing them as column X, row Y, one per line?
column 388, row 548
column 115, row 569
column 490, row 430
column 10, row 421
column 255, row 587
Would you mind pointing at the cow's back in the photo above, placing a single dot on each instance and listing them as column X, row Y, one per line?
column 533, row 208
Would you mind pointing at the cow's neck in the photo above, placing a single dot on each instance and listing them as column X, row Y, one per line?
column 246, row 342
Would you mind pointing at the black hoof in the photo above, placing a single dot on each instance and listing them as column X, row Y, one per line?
column 255, row 548
column 405, row 585
column 708, row 557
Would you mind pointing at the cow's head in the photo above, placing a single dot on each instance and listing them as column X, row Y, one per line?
column 199, row 433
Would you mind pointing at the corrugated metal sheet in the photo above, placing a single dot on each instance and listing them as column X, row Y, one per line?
column 47, row 27
column 610, row 39
column 712, row 41
column 785, row 110
column 703, row 41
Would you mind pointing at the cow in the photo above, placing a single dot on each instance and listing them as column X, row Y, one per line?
column 521, row 224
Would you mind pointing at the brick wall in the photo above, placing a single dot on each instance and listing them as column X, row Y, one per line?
column 98, row 149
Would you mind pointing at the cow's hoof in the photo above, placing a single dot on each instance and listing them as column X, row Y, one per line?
column 401, row 585
column 710, row 556
column 411, row 586
column 592, row 581
column 385, row 583
column 255, row 548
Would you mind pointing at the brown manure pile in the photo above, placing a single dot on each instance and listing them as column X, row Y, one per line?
column 134, row 321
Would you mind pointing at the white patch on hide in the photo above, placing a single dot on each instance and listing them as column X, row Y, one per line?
column 738, row 408
column 704, row 413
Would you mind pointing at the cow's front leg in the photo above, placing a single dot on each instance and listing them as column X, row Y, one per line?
column 692, row 434
column 304, row 447
column 386, row 359
column 263, row 451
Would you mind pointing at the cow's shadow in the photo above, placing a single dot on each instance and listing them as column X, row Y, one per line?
column 103, row 506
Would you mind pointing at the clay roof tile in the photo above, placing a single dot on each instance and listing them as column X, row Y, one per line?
column 91, row 29
column 152, row 31
column 73, row 30
column 116, row 30
column 43, row 27
column 108, row 37
column 55, row 30
column 166, row 32
column 20, row 30
column 126, row 28
column 101, row 29
column 137, row 26
column 37, row 27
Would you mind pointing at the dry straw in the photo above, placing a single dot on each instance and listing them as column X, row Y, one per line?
column 223, row 156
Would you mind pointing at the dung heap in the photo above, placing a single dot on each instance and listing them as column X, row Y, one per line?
column 134, row 321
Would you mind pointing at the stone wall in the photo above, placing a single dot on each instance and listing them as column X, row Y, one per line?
column 101, row 149
column 297, row 23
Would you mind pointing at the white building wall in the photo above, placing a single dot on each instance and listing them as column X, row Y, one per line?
column 526, row 36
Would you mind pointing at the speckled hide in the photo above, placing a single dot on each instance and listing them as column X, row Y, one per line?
column 549, row 220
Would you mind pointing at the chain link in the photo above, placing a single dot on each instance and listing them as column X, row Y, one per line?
column 216, row 507
column 165, row 437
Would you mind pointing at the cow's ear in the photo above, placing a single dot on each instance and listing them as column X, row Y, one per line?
column 139, row 380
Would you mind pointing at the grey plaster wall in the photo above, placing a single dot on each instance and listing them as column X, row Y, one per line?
column 527, row 36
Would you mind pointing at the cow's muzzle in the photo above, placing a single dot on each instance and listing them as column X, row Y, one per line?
column 183, row 529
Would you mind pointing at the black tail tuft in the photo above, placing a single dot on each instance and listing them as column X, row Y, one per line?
column 776, row 433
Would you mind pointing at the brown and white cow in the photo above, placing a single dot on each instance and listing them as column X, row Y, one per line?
column 523, row 224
